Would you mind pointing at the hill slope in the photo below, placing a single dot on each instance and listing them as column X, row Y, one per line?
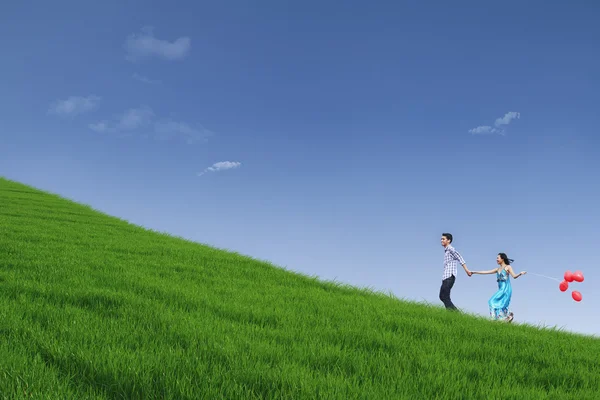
column 94, row 307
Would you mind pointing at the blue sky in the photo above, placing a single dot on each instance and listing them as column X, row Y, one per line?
column 338, row 140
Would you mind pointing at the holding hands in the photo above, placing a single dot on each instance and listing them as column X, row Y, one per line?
column 493, row 271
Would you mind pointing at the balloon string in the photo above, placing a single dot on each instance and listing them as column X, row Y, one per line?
column 544, row 276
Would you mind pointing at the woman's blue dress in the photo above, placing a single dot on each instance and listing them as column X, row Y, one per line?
column 499, row 303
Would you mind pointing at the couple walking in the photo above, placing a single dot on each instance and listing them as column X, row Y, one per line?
column 499, row 303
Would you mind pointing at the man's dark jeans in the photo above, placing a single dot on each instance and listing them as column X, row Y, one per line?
column 445, row 292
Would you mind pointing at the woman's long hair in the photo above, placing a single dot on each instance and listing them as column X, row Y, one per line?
column 505, row 258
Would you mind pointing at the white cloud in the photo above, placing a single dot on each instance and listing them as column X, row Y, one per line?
column 145, row 45
column 483, row 130
column 509, row 116
column 220, row 166
column 144, row 79
column 486, row 129
column 74, row 105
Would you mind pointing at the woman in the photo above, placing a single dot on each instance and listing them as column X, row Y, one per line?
column 500, row 301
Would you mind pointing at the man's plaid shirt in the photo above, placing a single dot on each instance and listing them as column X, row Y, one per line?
column 451, row 256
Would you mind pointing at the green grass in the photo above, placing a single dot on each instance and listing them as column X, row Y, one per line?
column 94, row 307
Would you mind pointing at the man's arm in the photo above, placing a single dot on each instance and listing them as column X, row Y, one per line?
column 466, row 269
column 460, row 259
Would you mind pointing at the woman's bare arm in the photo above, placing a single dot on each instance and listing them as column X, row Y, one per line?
column 512, row 273
column 490, row 271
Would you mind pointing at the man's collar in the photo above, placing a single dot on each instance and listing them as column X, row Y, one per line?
column 448, row 247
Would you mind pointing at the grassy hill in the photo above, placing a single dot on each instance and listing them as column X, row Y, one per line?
column 94, row 307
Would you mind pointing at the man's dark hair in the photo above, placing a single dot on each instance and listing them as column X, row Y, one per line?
column 448, row 236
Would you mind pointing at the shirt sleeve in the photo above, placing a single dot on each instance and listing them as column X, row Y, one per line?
column 457, row 256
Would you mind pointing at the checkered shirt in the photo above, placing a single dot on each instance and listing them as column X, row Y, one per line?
column 451, row 256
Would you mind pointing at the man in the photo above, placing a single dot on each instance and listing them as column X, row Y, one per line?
column 451, row 257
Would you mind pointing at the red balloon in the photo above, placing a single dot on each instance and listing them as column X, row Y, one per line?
column 569, row 276
column 563, row 286
column 576, row 295
column 578, row 276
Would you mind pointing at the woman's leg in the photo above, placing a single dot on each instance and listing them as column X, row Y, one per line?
column 510, row 315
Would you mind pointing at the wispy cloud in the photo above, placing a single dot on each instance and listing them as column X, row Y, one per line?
column 145, row 45
column 74, row 105
column 221, row 166
column 143, row 120
column 99, row 127
column 144, row 79
column 500, row 122
column 135, row 118
column 168, row 128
